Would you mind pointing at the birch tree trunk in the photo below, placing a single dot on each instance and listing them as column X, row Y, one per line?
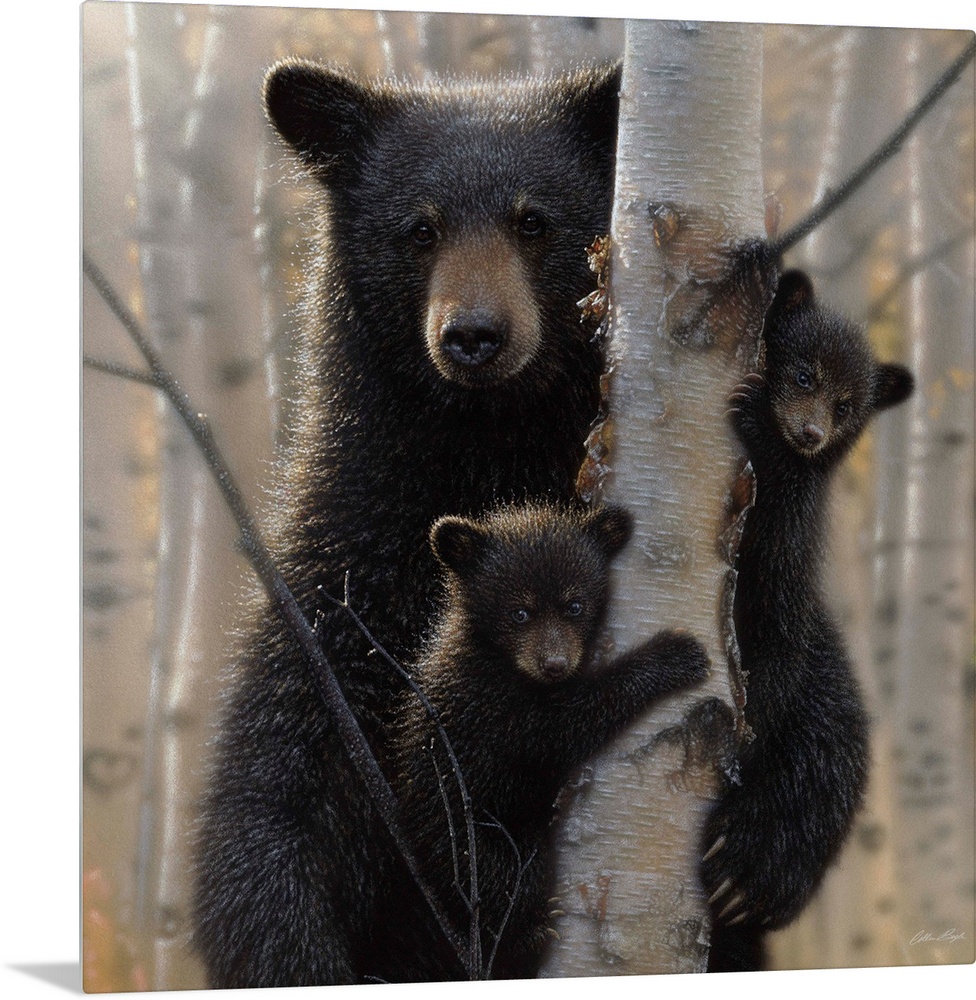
column 681, row 337
column 118, row 529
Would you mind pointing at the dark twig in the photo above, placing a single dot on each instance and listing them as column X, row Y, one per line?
column 112, row 368
column 516, row 888
column 471, row 899
column 357, row 747
column 884, row 152
column 448, row 812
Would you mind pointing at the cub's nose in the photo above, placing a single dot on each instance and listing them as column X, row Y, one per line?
column 554, row 666
column 813, row 434
column 473, row 338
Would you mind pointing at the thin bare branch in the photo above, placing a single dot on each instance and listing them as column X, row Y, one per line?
column 121, row 371
column 471, row 899
column 881, row 155
column 322, row 676
column 455, row 860
column 523, row 867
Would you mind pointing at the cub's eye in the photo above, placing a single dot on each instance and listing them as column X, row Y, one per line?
column 424, row 234
column 843, row 408
column 531, row 225
column 520, row 616
column 574, row 609
column 804, row 379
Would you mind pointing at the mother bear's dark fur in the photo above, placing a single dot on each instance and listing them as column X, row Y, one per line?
column 444, row 370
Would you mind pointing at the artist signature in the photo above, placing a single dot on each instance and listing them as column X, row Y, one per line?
column 949, row 936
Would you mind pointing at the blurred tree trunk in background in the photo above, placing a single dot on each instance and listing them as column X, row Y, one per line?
column 932, row 762
column 689, row 138
column 119, row 524
column 192, row 237
column 196, row 221
column 566, row 41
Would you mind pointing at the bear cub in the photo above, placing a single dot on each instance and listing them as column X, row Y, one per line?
column 506, row 671
column 774, row 832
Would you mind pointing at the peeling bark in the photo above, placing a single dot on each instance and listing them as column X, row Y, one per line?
column 688, row 296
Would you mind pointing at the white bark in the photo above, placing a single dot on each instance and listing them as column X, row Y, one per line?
column 689, row 137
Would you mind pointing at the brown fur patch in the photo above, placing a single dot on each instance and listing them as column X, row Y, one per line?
column 477, row 284
column 799, row 412
column 549, row 650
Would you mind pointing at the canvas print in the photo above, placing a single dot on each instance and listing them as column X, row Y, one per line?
column 528, row 478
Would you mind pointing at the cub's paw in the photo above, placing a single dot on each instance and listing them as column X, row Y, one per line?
column 678, row 655
column 748, row 402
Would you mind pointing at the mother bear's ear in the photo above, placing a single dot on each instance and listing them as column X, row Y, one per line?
column 324, row 114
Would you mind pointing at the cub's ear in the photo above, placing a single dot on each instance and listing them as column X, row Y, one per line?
column 324, row 115
column 793, row 291
column 892, row 385
column 611, row 527
column 458, row 542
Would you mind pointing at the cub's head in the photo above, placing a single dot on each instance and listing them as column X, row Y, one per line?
column 468, row 205
column 824, row 382
column 531, row 583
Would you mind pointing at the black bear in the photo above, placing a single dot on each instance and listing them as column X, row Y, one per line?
column 445, row 369
column 507, row 675
column 775, row 831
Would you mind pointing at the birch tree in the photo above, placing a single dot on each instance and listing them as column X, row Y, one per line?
column 684, row 327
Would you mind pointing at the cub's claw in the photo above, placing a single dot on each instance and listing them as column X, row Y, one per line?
column 715, row 848
column 720, row 892
column 732, row 905
column 741, row 394
column 747, row 388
